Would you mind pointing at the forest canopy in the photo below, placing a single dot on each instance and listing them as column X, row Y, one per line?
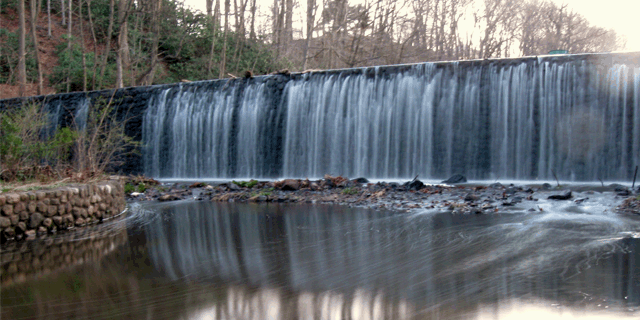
column 99, row 44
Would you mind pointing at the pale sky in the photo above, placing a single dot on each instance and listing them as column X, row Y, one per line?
column 621, row 15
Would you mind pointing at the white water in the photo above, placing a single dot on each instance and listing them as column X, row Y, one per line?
column 579, row 119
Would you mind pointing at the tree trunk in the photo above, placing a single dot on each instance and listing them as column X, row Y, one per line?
column 34, row 13
column 213, row 20
column 95, row 46
column 122, row 59
column 22, row 68
column 84, row 58
column 64, row 21
column 69, row 34
column 49, row 19
column 311, row 4
column 252, row 34
column 103, row 64
column 223, row 62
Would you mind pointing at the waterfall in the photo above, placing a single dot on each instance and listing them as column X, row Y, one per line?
column 577, row 116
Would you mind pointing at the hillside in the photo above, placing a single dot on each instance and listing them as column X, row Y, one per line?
column 46, row 46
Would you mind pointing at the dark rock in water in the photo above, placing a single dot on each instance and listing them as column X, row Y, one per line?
column 564, row 196
column 471, row 197
column 618, row 187
column 393, row 185
column 546, row 186
column 496, row 185
column 360, row 180
column 623, row 193
column 511, row 190
column 456, row 178
column 581, row 200
column 414, row 185
column 232, row 186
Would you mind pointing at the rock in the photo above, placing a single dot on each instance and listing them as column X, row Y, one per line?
column 168, row 197
column 258, row 198
column 35, row 220
column 511, row 190
column 5, row 222
column 414, row 185
column 233, row 187
column 623, row 193
column 47, row 222
column 9, row 233
column 563, row 196
column 470, row 197
column 21, row 227
column 618, row 187
column 30, row 233
column 546, row 186
column 456, row 178
column 290, row 185
column 496, row 185
column 135, row 194
column 360, row 180
column 581, row 200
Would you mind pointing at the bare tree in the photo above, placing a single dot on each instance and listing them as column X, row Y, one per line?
column 34, row 11
column 22, row 68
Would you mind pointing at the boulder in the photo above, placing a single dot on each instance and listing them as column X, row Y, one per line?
column 290, row 185
column 564, row 196
column 414, row 185
column 168, row 197
column 456, row 178
column 35, row 220
column 360, row 180
column 546, row 186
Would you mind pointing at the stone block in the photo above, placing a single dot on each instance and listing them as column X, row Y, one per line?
column 19, row 207
column 63, row 198
column 77, row 212
column 57, row 220
column 40, row 195
column 7, row 209
column 62, row 209
column 80, row 222
column 84, row 213
column 31, row 196
column 14, row 219
column 54, row 201
column 46, row 201
column 21, row 227
column 35, row 220
column 3, row 200
column 42, row 207
column 24, row 197
column 52, row 211
column 5, row 222
column 24, row 216
column 47, row 222
column 13, row 198
column 32, row 206
column 91, row 210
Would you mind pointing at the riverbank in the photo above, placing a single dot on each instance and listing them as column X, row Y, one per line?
column 410, row 196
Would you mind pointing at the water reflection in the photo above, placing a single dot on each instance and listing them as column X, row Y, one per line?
column 229, row 261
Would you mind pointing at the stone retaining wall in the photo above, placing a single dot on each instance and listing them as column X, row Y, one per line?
column 26, row 260
column 25, row 214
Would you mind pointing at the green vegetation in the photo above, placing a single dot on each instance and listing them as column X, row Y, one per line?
column 26, row 150
column 246, row 184
column 32, row 149
column 350, row 191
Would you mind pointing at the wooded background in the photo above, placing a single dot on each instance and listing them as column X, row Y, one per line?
column 52, row 46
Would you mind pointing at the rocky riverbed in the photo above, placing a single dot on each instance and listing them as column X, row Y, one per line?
column 412, row 195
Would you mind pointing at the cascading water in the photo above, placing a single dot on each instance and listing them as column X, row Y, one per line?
column 578, row 116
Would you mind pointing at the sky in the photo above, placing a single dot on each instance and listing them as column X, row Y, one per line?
column 623, row 16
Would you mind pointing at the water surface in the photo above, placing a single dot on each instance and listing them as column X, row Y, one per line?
column 195, row 260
